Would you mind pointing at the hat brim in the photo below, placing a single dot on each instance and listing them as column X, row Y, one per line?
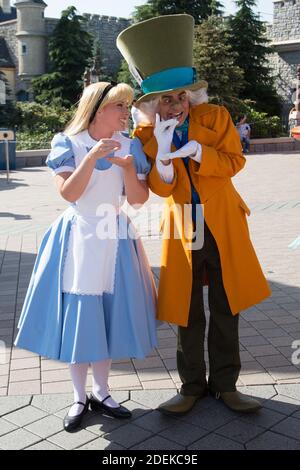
column 156, row 94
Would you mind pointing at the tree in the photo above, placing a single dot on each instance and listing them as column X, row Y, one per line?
column 100, row 63
column 248, row 39
column 215, row 62
column 70, row 51
column 8, row 111
column 199, row 9
column 125, row 76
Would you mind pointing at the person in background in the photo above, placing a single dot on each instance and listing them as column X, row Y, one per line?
column 244, row 130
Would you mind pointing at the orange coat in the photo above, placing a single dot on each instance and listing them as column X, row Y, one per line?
column 224, row 213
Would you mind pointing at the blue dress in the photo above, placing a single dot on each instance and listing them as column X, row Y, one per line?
column 91, row 295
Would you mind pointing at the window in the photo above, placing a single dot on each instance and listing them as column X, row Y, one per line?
column 24, row 49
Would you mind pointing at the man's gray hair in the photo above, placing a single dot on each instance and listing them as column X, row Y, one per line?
column 148, row 109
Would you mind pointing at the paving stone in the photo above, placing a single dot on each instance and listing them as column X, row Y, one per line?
column 215, row 442
column 17, row 440
column 44, row 445
column 240, row 431
column 153, row 374
column 262, row 392
column 209, row 418
column 25, row 416
column 273, row 361
column 100, row 424
column 32, row 387
column 46, row 427
column 288, row 427
column 52, row 403
column 25, row 363
column 184, row 434
column 9, row 404
column 272, row 441
column 71, row 441
column 128, row 436
column 292, row 390
column 24, row 375
column 63, row 387
column 265, row 418
column 159, row 384
column 6, row 427
column 286, row 372
column 136, row 409
column 157, row 443
column 155, row 421
column 257, row 379
column 282, row 404
column 252, row 368
column 152, row 398
column 101, row 444
column 264, row 350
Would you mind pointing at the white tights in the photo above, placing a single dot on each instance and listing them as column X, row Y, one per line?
column 100, row 384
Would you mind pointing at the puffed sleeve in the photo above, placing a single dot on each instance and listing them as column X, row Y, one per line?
column 142, row 165
column 61, row 158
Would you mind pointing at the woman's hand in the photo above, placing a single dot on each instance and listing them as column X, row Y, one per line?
column 103, row 148
column 123, row 162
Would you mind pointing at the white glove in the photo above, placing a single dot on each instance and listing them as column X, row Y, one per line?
column 192, row 149
column 163, row 132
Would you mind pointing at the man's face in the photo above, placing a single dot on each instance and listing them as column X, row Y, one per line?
column 174, row 105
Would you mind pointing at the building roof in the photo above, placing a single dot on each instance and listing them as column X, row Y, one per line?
column 8, row 16
column 5, row 57
column 31, row 1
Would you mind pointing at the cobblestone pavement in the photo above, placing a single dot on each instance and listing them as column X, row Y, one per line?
column 35, row 392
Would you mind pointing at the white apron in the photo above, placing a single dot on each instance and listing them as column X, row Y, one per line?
column 93, row 244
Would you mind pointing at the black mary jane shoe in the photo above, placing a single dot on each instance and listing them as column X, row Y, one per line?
column 97, row 405
column 73, row 422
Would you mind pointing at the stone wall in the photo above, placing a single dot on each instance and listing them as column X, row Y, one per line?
column 286, row 20
column 284, row 31
column 105, row 29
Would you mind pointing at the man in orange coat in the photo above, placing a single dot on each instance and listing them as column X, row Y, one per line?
column 195, row 150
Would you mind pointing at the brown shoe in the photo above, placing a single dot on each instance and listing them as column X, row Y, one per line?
column 237, row 401
column 178, row 405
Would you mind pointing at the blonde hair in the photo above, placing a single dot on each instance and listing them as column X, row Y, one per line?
column 89, row 99
column 148, row 109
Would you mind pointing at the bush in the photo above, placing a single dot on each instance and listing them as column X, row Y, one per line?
column 36, row 124
column 262, row 125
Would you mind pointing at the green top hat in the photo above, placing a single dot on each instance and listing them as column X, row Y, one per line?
column 159, row 53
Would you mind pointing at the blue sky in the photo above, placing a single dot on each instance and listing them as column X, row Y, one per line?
column 124, row 8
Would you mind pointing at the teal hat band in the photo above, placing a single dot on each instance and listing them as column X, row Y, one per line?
column 169, row 79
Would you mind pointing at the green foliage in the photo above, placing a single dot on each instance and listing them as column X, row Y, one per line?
column 215, row 62
column 70, row 51
column 248, row 40
column 37, row 124
column 100, row 63
column 125, row 76
column 262, row 125
column 199, row 9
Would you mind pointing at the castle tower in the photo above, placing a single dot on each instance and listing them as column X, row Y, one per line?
column 5, row 5
column 31, row 36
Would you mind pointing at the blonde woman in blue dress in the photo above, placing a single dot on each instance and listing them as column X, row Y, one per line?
column 91, row 297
